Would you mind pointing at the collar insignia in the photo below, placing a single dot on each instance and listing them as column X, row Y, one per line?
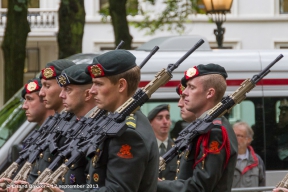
column 48, row 72
column 124, row 152
column 191, row 72
column 63, row 80
column 96, row 71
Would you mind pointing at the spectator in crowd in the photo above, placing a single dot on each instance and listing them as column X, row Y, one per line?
column 250, row 169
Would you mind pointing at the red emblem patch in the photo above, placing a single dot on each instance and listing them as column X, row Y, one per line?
column 214, row 147
column 96, row 70
column 124, row 152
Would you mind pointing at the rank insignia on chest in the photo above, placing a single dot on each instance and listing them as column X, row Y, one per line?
column 124, row 152
column 214, row 147
column 72, row 179
column 63, row 80
column 48, row 72
column 95, row 177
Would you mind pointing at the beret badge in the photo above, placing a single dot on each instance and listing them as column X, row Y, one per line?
column 96, row 70
column 191, row 72
column 31, row 86
column 63, row 80
column 48, row 72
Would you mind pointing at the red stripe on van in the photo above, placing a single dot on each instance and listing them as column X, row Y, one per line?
column 230, row 82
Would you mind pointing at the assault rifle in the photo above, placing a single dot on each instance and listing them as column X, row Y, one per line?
column 32, row 149
column 202, row 126
column 111, row 125
column 84, row 129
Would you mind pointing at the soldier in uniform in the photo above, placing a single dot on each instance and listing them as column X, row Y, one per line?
column 33, row 104
column 129, row 162
column 77, row 99
column 50, row 92
column 159, row 118
column 208, row 163
column 187, row 116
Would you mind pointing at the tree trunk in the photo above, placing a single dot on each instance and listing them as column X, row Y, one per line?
column 117, row 9
column 14, row 46
column 71, row 27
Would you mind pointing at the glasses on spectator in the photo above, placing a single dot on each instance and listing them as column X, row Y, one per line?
column 240, row 136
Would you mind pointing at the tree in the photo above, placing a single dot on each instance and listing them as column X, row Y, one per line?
column 14, row 46
column 117, row 11
column 71, row 27
column 173, row 16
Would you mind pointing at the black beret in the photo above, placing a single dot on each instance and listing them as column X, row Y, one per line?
column 74, row 75
column 31, row 86
column 179, row 89
column 54, row 68
column 201, row 70
column 111, row 63
column 152, row 114
column 283, row 104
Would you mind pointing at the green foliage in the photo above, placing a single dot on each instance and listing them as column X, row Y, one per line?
column 172, row 18
column 17, row 8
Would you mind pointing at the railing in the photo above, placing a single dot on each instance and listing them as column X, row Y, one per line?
column 254, row 189
column 37, row 18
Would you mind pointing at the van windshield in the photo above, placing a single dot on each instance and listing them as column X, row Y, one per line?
column 11, row 117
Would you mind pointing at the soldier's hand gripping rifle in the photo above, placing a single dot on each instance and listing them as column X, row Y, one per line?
column 75, row 136
column 202, row 126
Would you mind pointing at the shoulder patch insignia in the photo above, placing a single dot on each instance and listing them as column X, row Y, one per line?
column 214, row 147
column 124, row 152
column 131, row 121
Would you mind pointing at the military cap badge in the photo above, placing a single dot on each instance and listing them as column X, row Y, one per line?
column 63, row 80
column 191, row 72
column 96, row 70
column 48, row 72
column 31, row 86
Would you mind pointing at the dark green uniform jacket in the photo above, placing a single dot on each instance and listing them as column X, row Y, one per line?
column 128, row 163
column 170, row 170
column 208, row 175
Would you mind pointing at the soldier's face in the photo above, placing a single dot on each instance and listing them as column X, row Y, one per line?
column 161, row 123
column 34, row 107
column 105, row 94
column 195, row 96
column 185, row 114
column 50, row 92
column 73, row 98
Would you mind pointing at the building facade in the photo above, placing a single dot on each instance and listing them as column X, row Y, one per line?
column 252, row 24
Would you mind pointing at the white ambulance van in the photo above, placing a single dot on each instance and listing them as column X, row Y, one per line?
column 260, row 109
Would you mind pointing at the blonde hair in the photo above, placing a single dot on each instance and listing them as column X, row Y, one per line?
column 132, row 76
column 217, row 82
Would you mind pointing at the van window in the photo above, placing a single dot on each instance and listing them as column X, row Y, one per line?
column 11, row 117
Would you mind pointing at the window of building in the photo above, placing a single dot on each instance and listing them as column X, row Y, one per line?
column 31, row 4
column 283, row 7
column 32, row 64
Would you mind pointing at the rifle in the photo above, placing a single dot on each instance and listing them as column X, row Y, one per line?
column 111, row 125
column 120, row 44
column 32, row 149
column 202, row 126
